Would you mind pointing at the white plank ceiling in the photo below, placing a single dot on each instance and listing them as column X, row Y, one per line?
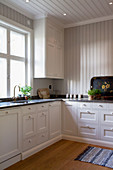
column 77, row 10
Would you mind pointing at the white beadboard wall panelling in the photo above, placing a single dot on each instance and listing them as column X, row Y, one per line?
column 88, row 52
column 15, row 16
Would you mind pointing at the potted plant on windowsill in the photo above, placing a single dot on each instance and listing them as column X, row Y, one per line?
column 26, row 90
column 94, row 94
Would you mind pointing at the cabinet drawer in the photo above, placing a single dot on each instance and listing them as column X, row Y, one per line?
column 43, row 106
column 110, row 106
column 88, row 130
column 28, row 109
column 54, row 104
column 107, row 133
column 42, row 137
column 4, row 112
column 107, row 117
column 85, row 105
column 99, row 106
column 29, row 143
column 88, row 115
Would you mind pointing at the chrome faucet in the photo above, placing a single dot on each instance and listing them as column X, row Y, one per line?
column 14, row 92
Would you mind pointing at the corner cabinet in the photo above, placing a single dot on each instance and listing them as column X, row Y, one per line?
column 69, row 118
column 54, row 119
column 48, row 50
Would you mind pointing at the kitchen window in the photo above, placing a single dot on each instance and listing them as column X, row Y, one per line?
column 13, row 60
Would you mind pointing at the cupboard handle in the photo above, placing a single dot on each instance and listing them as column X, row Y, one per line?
column 90, row 112
column 30, row 117
column 100, row 105
column 87, row 127
column 29, row 140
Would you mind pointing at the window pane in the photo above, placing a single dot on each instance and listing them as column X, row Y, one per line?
column 3, row 78
column 3, row 40
column 17, row 46
column 17, row 69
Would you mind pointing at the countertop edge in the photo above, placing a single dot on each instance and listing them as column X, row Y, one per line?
column 10, row 104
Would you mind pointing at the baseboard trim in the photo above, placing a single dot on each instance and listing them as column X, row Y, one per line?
column 38, row 148
column 10, row 162
column 89, row 141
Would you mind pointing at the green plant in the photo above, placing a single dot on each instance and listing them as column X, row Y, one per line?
column 94, row 92
column 26, row 90
column 91, row 92
column 97, row 91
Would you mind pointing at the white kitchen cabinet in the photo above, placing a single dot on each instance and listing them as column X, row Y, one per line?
column 107, row 133
column 10, row 133
column 88, row 120
column 29, row 128
column 69, row 118
column 54, row 119
column 48, row 50
column 42, row 123
column 88, row 115
column 29, row 125
column 107, row 117
column 88, row 130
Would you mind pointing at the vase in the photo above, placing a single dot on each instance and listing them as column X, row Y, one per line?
column 90, row 97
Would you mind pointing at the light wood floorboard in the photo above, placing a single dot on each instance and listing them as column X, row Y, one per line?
column 59, row 156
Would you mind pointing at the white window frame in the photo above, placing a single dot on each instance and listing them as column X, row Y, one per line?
column 8, row 56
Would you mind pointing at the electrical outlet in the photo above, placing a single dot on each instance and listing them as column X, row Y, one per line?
column 50, row 86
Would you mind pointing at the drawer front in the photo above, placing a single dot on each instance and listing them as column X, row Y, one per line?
column 107, row 133
column 85, row 105
column 42, row 137
column 88, row 130
column 99, row 106
column 107, row 117
column 110, row 106
column 4, row 112
column 29, row 109
column 88, row 115
column 43, row 106
column 55, row 103
column 29, row 143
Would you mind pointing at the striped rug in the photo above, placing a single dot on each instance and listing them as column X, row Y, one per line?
column 99, row 156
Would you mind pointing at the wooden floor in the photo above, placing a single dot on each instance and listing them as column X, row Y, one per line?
column 59, row 156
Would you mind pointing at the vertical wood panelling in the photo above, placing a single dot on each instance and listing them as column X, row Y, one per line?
column 15, row 16
column 88, row 53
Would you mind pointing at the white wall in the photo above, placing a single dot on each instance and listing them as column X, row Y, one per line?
column 88, row 52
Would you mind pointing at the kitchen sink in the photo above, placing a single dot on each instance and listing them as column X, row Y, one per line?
column 20, row 101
